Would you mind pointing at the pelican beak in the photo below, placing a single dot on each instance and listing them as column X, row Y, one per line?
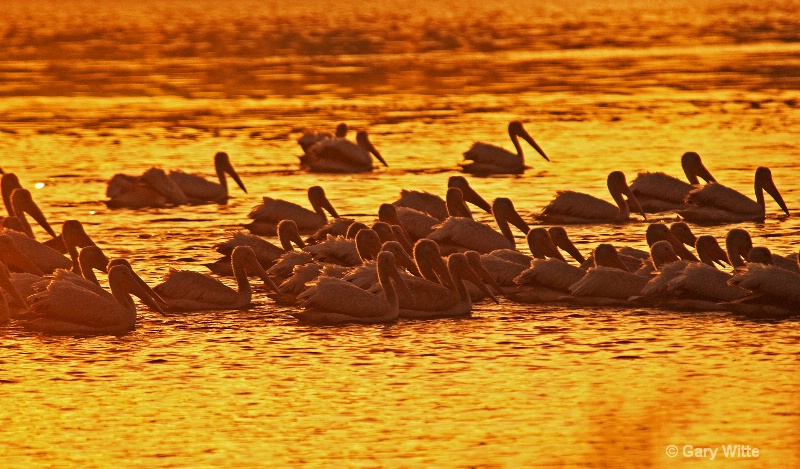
column 560, row 238
column 468, row 273
column 402, row 259
column 469, row 193
column 680, row 248
column 632, row 198
column 719, row 256
column 148, row 296
column 228, row 168
column 326, row 204
column 27, row 205
column 363, row 140
column 527, row 137
column 474, row 259
column 769, row 187
column 515, row 219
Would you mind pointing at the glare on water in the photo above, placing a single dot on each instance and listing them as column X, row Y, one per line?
column 86, row 93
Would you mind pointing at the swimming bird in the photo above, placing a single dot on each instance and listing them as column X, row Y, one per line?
column 266, row 252
column 576, row 207
column 21, row 203
column 464, row 234
column 434, row 205
column 336, row 301
column 156, row 188
column 184, row 290
column 270, row 212
column 715, row 203
column 12, row 303
column 659, row 192
column 310, row 137
column 485, row 158
column 338, row 155
column 66, row 308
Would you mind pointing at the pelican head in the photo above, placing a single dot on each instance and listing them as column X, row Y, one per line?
column 368, row 244
column 710, row 252
column 618, row 187
column 561, row 239
column 515, row 129
column 245, row 256
column 761, row 255
column 661, row 253
column 384, row 231
column 401, row 259
column 288, row 234
column 606, row 255
column 763, row 181
column 354, row 228
column 738, row 244
column 386, row 265
column 223, row 165
column 362, row 139
column 121, row 275
column 683, row 233
column 316, row 195
column 693, row 168
column 430, row 263
column 341, row 130
column 456, row 207
column 505, row 213
column 468, row 192
column 9, row 182
column 22, row 201
column 541, row 245
column 92, row 257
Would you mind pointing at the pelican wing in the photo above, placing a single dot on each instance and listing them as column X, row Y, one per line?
column 364, row 276
column 486, row 153
column 609, row 282
column 469, row 235
column 551, row 273
column 422, row 201
column 46, row 258
column 195, row 286
column 724, row 198
column 502, row 270
column 659, row 284
column 416, row 223
column 660, row 186
column 277, row 210
column 301, row 275
column 339, row 296
column 336, row 250
column 580, row 206
column 769, row 279
column 428, row 296
column 337, row 155
column 287, row 263
column 266, row 252
column 199, row 188
column 703, row 281
column 69, row 302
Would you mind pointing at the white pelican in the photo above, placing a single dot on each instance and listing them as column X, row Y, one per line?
column 415, row 223
column 201, row 191
column 89, row 258
column 337, row 155
column 561, row 239
column 715, row 203
column 659, row 192
column 780, row 285
column 575, row 207
column 184, row 290
column 47, row 258
column 366, row 275
column 465, row 234
column 309, row 138
column 266, row 252
column 485, row 158
column 336, row 301
column 434, row 205
column 69, row 309
column 430, row 300
column 9, row 182
column 270, row 212
column 347, row 252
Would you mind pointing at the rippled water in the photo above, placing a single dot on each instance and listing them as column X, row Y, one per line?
column 90, row 91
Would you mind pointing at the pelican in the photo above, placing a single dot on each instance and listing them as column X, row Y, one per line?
column 309, row 138
column 156, row 188
column 66, row 308
column 434, row 205
column 485, row 158
column 659, row 192
column 430, row 300
column 416, row 224
column 465, row 234
column 772, row 281
column 575, row 207
column 610, row 278
column 201, row 191
column 266, row 252
column 715, row 203
column 270, row 212
column 89, row 258
column 46, row 258
column 184, row 290
column 336, row 301
column 337, row 155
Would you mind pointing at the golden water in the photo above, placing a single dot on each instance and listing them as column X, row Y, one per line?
column 87, row 91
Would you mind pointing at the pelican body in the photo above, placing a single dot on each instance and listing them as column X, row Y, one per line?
column 659, row 192
column 715, row 203
column 576, row 207
column 485, row 158
column 270, row 212
column 338, row 155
